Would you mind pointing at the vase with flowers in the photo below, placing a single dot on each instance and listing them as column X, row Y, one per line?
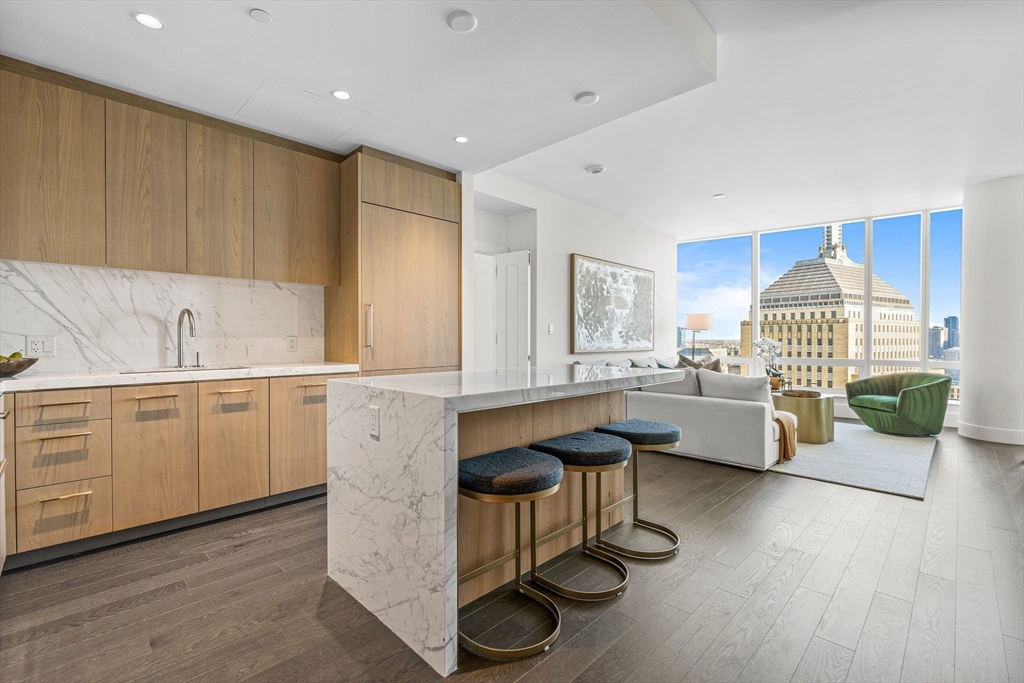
column 769, row 350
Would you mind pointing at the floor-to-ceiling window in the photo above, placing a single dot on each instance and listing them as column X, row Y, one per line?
column 844, row 300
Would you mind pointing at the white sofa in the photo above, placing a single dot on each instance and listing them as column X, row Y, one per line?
column 726, row 430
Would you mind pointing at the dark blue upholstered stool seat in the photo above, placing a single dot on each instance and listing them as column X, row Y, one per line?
column 586, row 449
column 510, row 472
column 643, row 432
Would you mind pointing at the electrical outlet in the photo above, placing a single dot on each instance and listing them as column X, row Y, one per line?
column 375, row 422
column 40, row 347
column 293, row 344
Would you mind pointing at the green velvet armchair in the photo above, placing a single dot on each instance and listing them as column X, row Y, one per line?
column 901, row 403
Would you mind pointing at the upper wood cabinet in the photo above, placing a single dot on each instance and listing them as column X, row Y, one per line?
column 234, row 442
column 410, row 290
column 297, row 213
column 51, row 173
column 145, row 190
column 219, row 198
column 388, row 184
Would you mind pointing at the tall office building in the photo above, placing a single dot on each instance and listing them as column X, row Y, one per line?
column 936, row 341
column 816, row 310
column 952, row 332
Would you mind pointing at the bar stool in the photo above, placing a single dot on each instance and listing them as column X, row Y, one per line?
column 585, row 452
column 513, row 475
column 644, row 435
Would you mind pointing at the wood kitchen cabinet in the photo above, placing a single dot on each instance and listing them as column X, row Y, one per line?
column 234, row 442
column 52, row 173
column 9, row 527
column 410, row 290
column 386, row 183
column 298, row 432
column 154, row 453
column 145, row 199
column 48, row 515
column 296, row 216
column 219, row 202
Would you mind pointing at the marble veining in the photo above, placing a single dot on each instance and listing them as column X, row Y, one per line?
column 392, row 500
column 113, row 319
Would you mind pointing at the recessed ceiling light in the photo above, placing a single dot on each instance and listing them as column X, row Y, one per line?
column 596, row 169
column 149, row 21
column 587, row 98
column 718, row 196
column 341, row 95
column 261, row 15
column 461, row 139
column 461, row 21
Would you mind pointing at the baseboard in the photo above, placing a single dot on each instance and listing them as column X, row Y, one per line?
column 56, row 552
column 1014, row 437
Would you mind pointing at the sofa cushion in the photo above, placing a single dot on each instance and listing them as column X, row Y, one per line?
column 884, row 403
column 736, row 387
column 648, row 362
column 684, row 387
column 776, row 430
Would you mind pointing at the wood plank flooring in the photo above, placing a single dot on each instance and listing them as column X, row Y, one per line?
column 777, row 578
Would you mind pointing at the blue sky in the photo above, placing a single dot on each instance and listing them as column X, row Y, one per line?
column 713, row 276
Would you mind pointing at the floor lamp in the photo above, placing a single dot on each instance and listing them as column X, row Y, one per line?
column 698, row 322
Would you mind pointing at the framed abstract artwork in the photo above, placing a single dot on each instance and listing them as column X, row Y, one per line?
column 612, row 307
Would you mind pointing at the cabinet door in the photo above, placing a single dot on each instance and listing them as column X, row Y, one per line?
column 298, row 432
column 9, row 527
column 145, row 190
column 297, row 217
column 51, row 174
column 399, row 187
column 234, row 442
column 410, row 290
column 154, row 453
column 219, row 199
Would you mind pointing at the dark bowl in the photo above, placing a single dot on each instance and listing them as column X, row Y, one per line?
column 13, row 367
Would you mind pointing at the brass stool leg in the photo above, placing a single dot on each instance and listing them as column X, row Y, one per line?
column 653, row 526
column 502, row 654
column 586, row 549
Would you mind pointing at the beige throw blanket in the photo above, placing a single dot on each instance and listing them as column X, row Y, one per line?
column 787, row 436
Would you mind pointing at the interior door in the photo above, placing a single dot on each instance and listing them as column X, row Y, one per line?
column 410, row 266
column 513, row 309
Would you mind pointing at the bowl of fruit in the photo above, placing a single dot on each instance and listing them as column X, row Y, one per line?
column 13, row 364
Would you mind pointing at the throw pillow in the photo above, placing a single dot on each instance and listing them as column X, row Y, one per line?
column 684, row 387
column 670, row 363
column 648, row 362
column 620, row 364
column 709, row 362
column 736, row 387
column 598, row 363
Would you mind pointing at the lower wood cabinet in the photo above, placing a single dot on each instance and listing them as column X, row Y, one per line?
column 56, row 454
column 8, row 504
column 298, row 432
column 154, row 453
column 48, row 515
column 234, row 442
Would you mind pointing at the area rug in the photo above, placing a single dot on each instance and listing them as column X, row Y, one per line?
column 863, row 458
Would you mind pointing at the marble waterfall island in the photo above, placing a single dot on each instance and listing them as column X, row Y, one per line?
column 393, row 511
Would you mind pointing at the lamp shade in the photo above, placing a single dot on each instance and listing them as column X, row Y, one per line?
column 699, row 322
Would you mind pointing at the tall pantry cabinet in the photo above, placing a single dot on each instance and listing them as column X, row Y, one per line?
column 401, row 261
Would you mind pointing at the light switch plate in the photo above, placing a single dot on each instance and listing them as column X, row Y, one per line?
column 375, row 422
column 40, row 347
column 551, row 329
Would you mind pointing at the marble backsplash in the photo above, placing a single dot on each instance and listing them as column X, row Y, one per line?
column 111, row 319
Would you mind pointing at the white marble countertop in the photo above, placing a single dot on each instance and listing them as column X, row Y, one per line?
column 113, row 378
column 481, row 389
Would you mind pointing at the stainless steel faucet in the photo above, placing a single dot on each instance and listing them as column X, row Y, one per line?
column 191, row 332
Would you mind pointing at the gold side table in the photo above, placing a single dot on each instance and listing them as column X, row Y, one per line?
column 815, row 417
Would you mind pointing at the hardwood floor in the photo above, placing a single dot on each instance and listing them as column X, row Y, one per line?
column 777, row 579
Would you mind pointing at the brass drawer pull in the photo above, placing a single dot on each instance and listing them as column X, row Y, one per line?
column 144, row 398
column 64, row 436
column 65, row 403
column 3, row 415
column 235, row 391
column 3, row 466
column 321, row 384
column 66, row 496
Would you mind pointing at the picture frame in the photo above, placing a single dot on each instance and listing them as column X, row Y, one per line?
column 611, row 306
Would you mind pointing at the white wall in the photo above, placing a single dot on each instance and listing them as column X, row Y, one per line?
column 992, row 321
column 491, row 231
column 559, row 227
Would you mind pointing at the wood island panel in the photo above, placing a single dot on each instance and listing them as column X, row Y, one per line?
column 487, row 530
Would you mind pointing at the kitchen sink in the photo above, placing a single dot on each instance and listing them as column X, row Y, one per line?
column 201, row 368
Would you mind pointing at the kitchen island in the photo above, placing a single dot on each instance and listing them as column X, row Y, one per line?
column 398, row 535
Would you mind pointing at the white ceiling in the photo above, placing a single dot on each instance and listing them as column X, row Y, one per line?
column 822, row 111
column 415, row 84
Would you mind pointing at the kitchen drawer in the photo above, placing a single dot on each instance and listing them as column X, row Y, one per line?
column 49, row 515
column 65, row 405
column 59, row 453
